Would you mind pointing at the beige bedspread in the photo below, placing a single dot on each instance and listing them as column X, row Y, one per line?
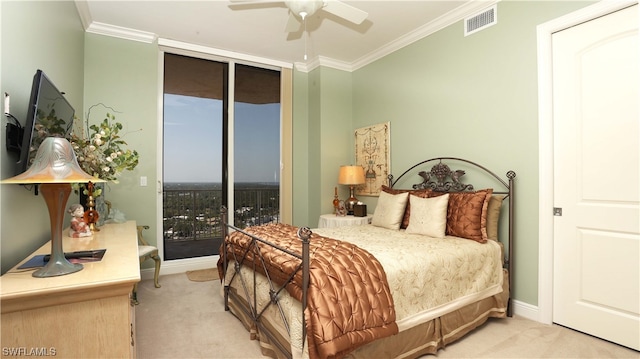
column 428, row 276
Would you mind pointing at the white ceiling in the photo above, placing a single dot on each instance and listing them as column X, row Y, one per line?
column 258, row 29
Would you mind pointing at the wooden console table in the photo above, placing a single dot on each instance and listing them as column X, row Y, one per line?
column 87, row 314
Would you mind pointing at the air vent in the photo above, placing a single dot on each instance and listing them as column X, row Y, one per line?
column 481, row 21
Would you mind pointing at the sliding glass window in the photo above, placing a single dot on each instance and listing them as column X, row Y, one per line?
column 203, row 162
column 256, row 146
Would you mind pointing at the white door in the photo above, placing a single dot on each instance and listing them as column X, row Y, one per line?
column 596, row 178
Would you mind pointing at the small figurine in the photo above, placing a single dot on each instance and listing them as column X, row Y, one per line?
column 79, row 227
column 342, row 209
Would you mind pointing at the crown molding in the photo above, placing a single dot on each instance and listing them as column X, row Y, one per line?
column 99, row 28
column 323, row 61
column 333, row 63
column 85, row 14
column 432, row 27
column 307, row 66
column 189, row 48
column 121, row 32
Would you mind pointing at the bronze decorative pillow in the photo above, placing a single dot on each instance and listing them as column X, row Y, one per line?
column 422, row 193
column 467, row 214
column 493, row 216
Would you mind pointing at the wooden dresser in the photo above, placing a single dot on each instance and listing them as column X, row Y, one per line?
column 87, row 314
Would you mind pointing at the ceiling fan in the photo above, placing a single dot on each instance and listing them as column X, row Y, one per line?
column 301, row 9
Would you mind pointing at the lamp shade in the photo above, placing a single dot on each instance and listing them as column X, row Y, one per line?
column 55, row 162
column 351, row 175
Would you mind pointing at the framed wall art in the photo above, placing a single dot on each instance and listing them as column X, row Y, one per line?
column 372, row 153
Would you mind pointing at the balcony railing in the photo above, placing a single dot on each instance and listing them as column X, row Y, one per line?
column 194, row 214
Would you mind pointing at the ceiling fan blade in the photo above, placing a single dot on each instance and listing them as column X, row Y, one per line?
column 345, row 11
column 293, row 24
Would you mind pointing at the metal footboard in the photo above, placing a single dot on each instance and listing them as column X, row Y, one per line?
column 253, row 311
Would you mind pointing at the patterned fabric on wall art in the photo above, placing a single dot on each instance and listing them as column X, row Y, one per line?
column 372, row 153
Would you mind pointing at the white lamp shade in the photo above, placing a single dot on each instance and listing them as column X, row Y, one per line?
column 55, row 162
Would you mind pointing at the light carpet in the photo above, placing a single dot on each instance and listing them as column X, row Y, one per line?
column 186, row 319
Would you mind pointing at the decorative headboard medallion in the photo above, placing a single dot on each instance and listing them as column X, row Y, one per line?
column 436, row 179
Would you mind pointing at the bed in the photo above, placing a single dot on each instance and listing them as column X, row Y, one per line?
column 436, row 263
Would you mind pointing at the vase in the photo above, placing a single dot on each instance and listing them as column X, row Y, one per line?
column 101, row 207
column 99, row 203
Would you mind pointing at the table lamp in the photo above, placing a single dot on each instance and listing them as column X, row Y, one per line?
column 54, row 168
column 351, row 176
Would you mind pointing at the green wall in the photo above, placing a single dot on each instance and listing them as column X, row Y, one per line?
column 123, row 74
column 315, row 139
column 472, row 97
column 323, row 140
column 35, row 35
column 330, row 134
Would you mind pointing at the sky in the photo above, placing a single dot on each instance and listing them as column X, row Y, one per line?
column 193, row 140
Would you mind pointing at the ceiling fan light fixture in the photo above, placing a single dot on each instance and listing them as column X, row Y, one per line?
column 304, row 8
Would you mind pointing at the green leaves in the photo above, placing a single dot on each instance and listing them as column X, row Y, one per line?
column 103, row 154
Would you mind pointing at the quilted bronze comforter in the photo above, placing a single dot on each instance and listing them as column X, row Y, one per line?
column 349, row 303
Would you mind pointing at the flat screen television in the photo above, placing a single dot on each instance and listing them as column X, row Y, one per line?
column 49, row 114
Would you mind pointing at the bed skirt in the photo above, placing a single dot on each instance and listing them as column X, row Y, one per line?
column 426, row 338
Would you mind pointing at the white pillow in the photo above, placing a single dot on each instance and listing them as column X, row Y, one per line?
column 428, row 216
column 390, row 210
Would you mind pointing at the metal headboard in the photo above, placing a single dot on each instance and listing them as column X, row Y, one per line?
column 441, row 178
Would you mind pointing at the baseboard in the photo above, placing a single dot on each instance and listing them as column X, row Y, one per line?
column 180, row 266
column 526, row 310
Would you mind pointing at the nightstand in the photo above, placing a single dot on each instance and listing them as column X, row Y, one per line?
column 331, row 220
